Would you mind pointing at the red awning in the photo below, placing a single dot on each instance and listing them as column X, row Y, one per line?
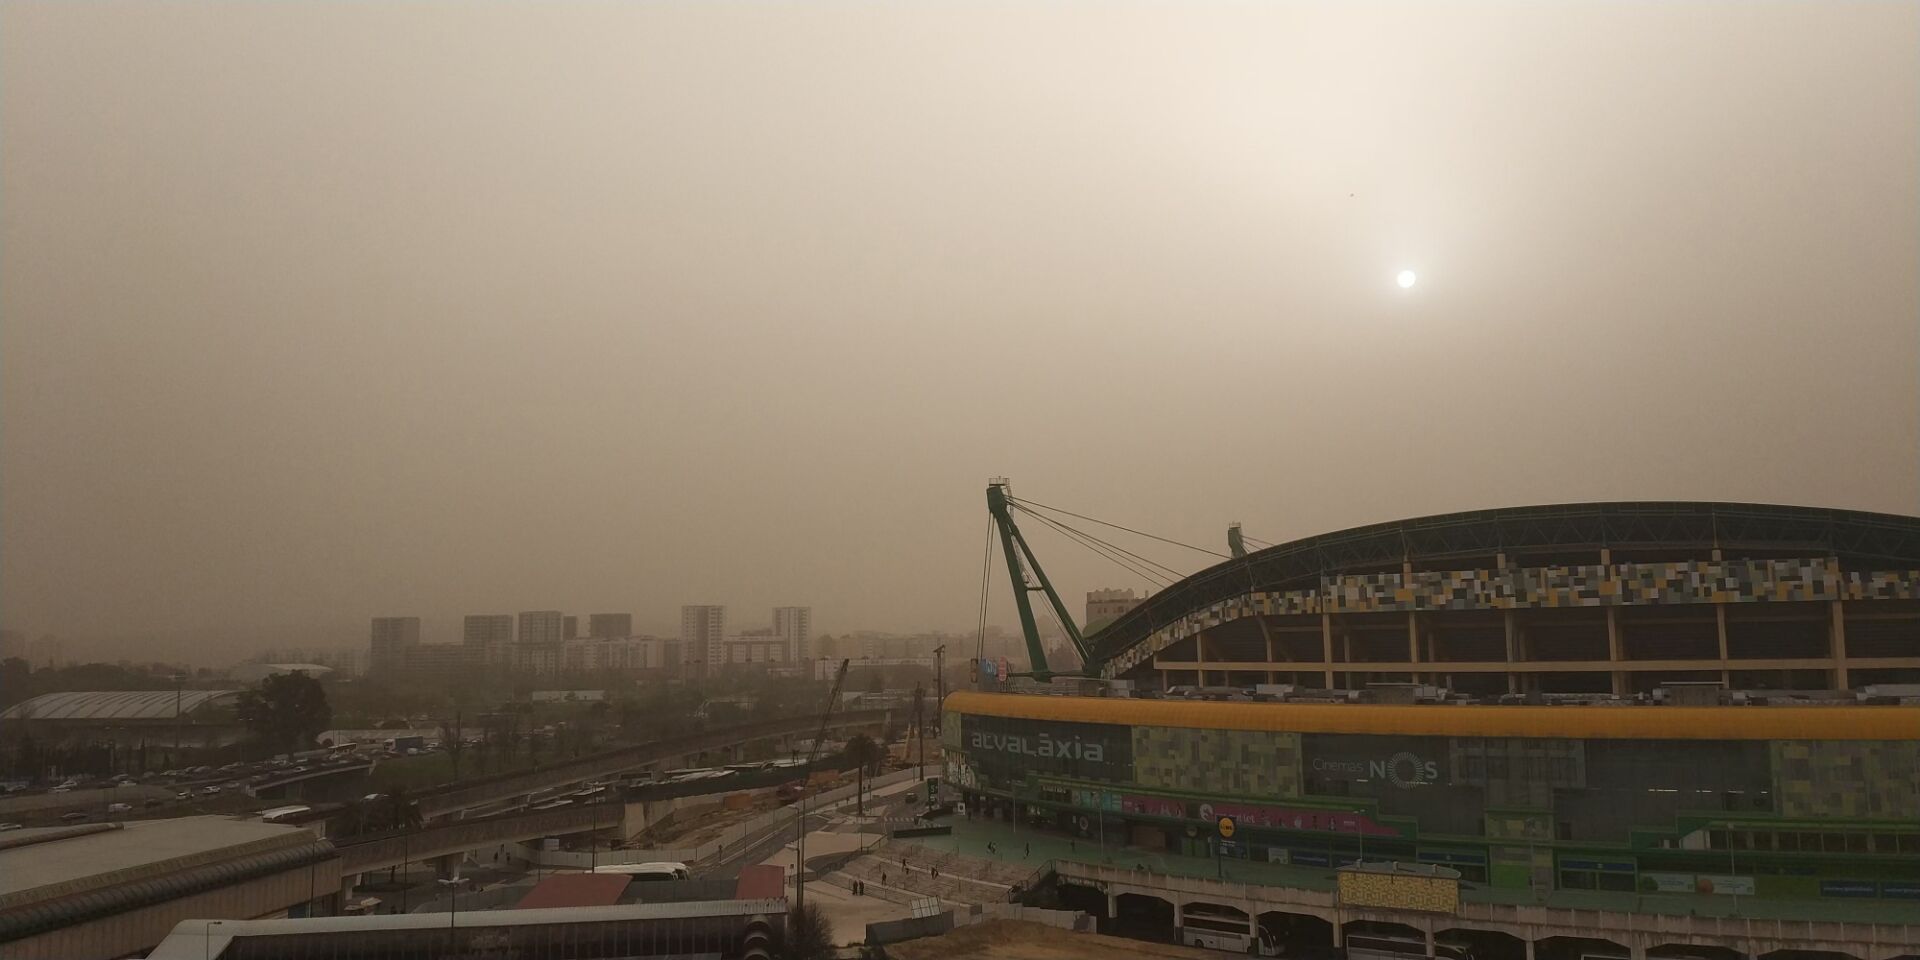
column 575, row 890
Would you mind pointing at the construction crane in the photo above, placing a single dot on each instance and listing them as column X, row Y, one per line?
column 1236, row 542
column 806, row 794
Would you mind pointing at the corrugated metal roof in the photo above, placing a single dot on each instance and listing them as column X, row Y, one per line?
column 1581, row 723
column 116, row 704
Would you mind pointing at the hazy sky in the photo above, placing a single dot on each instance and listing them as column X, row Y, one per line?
column 311, row 312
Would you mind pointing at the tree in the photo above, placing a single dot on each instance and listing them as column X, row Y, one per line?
column 809, row 934
column 452, row 741
column 287, row 712
column 862, row 751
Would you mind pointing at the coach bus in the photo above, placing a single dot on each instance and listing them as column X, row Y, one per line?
column 1224, row 928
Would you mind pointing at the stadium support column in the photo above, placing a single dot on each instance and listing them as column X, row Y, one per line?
column 1513, row 679
column 1613, row 652
column 1839, row 647
column 1413, row 644
column 1719, row 623
column 1326, row 645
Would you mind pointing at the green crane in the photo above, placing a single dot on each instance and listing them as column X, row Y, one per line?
column 1015, row 547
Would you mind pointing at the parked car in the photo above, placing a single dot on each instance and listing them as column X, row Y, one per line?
column 74, row 817
column 210, row 789
column 119, row 808
column 4, row 827
column 153, row 802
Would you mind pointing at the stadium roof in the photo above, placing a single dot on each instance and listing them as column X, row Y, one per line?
column 1859, row 540
column 116, row 704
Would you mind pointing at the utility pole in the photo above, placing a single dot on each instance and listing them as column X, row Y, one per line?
column 939, row 682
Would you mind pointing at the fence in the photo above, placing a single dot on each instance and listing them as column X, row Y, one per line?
column 728, row 839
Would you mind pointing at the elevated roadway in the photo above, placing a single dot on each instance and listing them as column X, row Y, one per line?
column 455, row 798
column 460, row 836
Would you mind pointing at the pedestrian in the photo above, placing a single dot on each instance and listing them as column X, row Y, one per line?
column 883, row 878
column 1029, row 852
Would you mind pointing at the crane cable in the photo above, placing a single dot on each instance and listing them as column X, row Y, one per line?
column 1139, row 533
column 1174, row 574
column 1107, row 551
column 986, row 586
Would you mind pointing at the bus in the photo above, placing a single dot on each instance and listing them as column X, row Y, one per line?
column 278, row 814
column 1373, row 946
column 1224, row 928
column 657, row 870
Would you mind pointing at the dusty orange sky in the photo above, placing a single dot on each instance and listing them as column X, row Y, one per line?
column 311, row 312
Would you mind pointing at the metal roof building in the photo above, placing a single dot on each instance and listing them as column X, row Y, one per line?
column 118, row 705
column 110, row 890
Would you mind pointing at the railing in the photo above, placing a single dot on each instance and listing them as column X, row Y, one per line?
column 1528, row 920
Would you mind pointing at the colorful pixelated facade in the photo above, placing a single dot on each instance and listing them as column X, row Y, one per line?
column 1570, row 797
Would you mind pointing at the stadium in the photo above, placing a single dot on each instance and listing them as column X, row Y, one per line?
column 1648, row 699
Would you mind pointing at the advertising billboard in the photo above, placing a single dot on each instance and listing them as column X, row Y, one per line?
column 1017, row 748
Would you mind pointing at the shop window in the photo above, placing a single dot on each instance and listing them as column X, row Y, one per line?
column 1615, row 881
column 1576, row 880
column 1885, row 843
column 1788, row 842
column 1809, row 843
column 1910, row 843
column 1833, row 842
column 1856, row 842
column 1716, row 839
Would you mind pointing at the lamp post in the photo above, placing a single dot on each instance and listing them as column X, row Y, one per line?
column 452, row 886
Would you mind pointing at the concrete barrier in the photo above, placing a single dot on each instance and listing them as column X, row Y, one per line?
column 895, row 931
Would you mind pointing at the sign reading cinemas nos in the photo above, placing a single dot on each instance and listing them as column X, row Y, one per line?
column 1008, row 748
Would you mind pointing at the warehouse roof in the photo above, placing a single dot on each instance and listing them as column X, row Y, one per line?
column 116, row 704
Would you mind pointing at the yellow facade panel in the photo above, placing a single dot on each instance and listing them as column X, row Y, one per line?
column 1571, row 722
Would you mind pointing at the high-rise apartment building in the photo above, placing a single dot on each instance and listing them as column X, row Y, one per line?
column 795, row 626
column 1106, row 605
column 703, row 635
column 392, row 639
column 488, row 637
column 610, row 625
column 541, row 626
column 569, row 627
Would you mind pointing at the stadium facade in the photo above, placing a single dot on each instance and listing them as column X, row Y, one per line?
column 1555, row 648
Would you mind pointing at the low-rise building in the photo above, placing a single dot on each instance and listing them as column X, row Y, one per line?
column 98, row 891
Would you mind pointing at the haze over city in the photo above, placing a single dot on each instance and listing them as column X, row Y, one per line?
column 316, row 313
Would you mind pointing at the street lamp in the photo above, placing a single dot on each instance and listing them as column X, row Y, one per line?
column 452, row 886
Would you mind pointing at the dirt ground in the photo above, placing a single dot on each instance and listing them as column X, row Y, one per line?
column 1021, row 940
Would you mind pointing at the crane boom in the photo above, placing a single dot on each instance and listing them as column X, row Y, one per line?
column 800, row 842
